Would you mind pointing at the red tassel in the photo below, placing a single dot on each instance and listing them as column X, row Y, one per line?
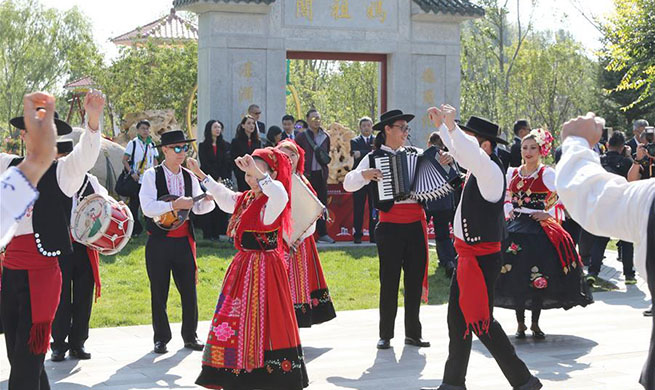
column 39, row 340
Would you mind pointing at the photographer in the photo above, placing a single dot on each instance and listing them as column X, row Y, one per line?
column 617, row 160
column 644, row 164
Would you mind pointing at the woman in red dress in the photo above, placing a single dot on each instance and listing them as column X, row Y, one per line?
column 309, row 291
column 253, row 339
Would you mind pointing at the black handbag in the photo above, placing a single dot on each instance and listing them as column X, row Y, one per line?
column 322, row 156
column 126, row 185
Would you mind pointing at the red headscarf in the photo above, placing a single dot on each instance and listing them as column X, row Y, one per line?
column 280, row 164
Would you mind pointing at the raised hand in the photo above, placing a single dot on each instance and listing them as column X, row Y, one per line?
column 94, row 103
column 449, row 115
column 247, row 164
column 587, row 127
column 40, row 135
column 193, row 166
column 436, row 116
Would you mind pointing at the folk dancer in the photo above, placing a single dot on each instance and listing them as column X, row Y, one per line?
column 400, row 235
column 174, row 251
column 479, row 229
column 253, row 339
column 31, row 279
column 309, row 290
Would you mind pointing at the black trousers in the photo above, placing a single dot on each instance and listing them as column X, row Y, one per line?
column 164, row 256
column 445, row 248
column 359, row 201
column 627, row 254
column 496, row 341
column 598, row 246
column 400, row 247
column 585, row 246
column 648, row 373
column 319, row 183
column 134, row 206
column 213, row 223
column 76, row 300
column 27, row 371
column 573, row 228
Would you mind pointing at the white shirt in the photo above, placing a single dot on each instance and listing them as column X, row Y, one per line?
column 466, row 150
column 548, row 178
column 603, row 203
column 226, row 199
column 354, row 180
column 97, row 189
column 70, row 171
column 175, row 183
column 139, row 150
column 17, row 195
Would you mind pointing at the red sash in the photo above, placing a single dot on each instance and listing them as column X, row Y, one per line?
column 409, row 213
column 44, row 278
column 473, row 298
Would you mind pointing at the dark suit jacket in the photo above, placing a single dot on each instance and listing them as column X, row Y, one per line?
column 285, row 136
column 359, row 144
column 633, row 146
column 515, row 159
column 261, row 126
column 219, row 165
column 301, row 140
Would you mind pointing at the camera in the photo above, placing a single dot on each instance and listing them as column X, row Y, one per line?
column 650, row 149
column 650, row 141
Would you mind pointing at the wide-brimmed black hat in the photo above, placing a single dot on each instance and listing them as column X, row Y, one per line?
column 484, row 128
column 63, row 128
column 389, row 117
column 174, row 137
column 64, row 146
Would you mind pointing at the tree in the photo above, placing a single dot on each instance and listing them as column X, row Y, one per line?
column 151, row 77
column 630, row 48
column 40, row 49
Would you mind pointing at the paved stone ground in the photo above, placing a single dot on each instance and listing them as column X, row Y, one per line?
column 600, row 347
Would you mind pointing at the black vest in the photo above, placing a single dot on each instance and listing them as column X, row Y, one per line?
column 162, row 189
column 482, row 221
column 387, row 204
column 50, row 216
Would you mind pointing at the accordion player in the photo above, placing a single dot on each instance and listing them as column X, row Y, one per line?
column 409, row 174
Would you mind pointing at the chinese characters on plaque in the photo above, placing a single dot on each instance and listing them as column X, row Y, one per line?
column 353, row 14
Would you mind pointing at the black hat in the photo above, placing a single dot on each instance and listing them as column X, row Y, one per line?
column 174, row 137
column 484, row 129
column 63, row 128
column 389, row 117
column 64, row 146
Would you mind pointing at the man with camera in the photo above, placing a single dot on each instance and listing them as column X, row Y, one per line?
column 644, row 164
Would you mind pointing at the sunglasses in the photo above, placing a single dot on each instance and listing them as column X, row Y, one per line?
column 298, row 126
column 178, row 149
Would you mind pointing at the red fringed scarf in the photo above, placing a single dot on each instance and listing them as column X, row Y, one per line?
column 473, row 298
column 44, row 278
column 94, row 259
column 409, row 213
column 563, row 243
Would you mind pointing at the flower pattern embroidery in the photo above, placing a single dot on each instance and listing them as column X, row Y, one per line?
column 513, row 249
column 223, row 331
column 286, row 365
column 537, row 279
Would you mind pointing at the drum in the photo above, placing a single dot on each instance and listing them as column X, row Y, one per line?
column 101, row 223
column 305, row 209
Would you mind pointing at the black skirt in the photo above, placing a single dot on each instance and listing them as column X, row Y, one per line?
column 532, row 276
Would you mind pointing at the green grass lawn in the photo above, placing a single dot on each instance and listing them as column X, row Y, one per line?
column 351, row 273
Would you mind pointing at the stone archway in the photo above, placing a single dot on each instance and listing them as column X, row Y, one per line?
column 243, row 46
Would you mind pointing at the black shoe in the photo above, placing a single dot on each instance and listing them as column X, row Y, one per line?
column 326, row 239
column 417, row 342
column 58, row 355
column 532, row 384
column 160, row 347
column 648, row 313
column 538, row 334
column 79, row 353
column 195, row 345
column 630, row 280
column 591, row 279
column 384, row 344
column 357, row 240
column 520, row 334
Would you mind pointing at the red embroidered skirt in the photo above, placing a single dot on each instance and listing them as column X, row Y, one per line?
column 309, row 291
column 253, row 339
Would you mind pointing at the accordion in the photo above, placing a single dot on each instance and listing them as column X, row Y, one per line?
column 410, row 175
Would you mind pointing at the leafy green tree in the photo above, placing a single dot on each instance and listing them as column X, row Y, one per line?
column 630, row 48
column 151, row 77
column 40, row 49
